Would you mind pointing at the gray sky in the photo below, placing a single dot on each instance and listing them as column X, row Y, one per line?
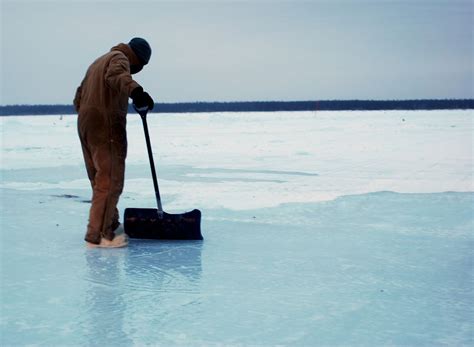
column 244, row 50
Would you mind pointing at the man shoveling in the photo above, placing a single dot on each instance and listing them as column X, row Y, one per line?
column 101, row 102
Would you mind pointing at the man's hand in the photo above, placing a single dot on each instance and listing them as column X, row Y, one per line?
column 142, row 99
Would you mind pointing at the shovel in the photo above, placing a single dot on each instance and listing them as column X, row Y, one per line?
column 154, row 223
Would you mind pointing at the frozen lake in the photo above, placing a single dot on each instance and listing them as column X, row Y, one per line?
column 320, row 228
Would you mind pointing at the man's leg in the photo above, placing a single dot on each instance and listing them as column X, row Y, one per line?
column 93, row 233
column 109, row 162
column 101, row 156
column 118, row 148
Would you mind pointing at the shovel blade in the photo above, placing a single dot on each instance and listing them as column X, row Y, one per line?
column 146, row 223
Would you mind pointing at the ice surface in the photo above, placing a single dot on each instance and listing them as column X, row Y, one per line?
column 321, row 228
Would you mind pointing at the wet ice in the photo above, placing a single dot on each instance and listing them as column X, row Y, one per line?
column 336, row 228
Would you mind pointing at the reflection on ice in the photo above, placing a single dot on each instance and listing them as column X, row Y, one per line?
column 164, row 266
column 127, row 284
column 104, row 305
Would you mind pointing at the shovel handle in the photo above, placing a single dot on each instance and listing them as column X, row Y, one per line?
column 143, row 112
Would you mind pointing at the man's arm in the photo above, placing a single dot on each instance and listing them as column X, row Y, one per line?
column 118, row 75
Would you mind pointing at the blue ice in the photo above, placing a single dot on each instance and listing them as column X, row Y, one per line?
column 373, row 269
column 368, row 268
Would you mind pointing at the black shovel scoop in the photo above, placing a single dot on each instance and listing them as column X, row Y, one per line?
column 151, row 223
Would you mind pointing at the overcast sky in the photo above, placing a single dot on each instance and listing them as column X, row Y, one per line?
column 244, row 50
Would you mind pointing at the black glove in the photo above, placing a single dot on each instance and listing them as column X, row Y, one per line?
column 142, row 99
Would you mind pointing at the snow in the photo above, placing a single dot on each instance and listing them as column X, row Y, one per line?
column 321, row 228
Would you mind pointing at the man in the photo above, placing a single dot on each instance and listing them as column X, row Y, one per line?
column 101, row 102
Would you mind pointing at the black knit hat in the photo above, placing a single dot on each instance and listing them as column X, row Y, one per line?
column 141, row 48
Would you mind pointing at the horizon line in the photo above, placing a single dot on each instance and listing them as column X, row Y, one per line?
column 267, row 101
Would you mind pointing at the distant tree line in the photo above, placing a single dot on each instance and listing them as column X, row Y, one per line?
column 262, row 106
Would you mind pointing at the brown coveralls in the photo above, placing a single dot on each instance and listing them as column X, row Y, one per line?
column 101, row 102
